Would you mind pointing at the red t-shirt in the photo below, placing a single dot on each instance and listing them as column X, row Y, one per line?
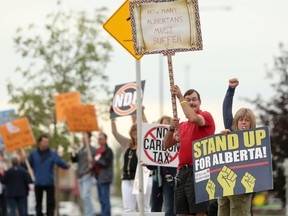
column 189, row 132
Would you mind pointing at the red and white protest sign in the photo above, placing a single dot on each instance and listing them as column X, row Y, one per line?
column 152, row 149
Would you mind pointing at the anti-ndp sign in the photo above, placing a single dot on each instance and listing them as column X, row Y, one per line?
column 152, row 150
column 125, row 99
column 237, row 163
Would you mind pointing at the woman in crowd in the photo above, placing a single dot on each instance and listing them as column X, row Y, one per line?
column 129, row 146
column 243, row 119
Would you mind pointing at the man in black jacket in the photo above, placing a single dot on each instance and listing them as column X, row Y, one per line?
column 16, row 179
column 103, row 162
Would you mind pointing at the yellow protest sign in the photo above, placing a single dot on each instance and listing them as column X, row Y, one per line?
column 82, row 118
column 119, row 27
column 64, row 100
column 17, row 134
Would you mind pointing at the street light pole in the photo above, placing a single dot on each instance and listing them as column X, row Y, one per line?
column 285, row 165
column 187, row 77
column 139, row 136
column 161, row 86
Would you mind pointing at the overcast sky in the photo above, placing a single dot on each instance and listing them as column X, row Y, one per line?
column 239, row 42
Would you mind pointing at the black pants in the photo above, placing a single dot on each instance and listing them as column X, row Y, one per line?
column 156, row 197
column 3, row 204
column 185, row 198
column 213, row 208
column 50, row 192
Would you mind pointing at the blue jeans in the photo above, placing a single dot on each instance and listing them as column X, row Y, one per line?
column 19, row 203
column 168, row 197
column 85, row 185
column 104, row 197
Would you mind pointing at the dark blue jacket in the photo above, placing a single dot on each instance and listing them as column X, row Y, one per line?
column 227, row 108
column 42, row 163
column 16, row 179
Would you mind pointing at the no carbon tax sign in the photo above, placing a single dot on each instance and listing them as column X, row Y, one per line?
column 152, row 150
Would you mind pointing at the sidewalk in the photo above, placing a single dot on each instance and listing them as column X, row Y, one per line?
column 274, row 209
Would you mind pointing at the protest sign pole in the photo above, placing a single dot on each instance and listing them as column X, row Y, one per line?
column 28, row 166
column 72, row 149
column 139, row 129
column 173, row 97
column 73, row 152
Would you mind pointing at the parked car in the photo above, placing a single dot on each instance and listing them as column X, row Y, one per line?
column 68, row 208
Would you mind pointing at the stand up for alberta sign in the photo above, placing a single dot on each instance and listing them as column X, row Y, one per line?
column 232, row 164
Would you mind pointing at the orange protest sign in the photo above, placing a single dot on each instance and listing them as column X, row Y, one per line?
column 17, row 134
column 82, row 118
column 64, row 100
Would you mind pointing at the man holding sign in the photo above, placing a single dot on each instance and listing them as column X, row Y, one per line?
column 199, row 125
column 85, row 172
column 42, row 161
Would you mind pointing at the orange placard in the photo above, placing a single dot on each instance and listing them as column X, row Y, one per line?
column 17, row 134
column 82, row 118
column 62, row 101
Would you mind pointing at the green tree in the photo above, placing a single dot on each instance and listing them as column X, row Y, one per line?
column 68, row 53
column 274, row 113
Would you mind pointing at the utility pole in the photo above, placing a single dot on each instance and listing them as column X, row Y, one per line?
column 161, row 86
column 285, row 165
column 187, row 77
column 215, row 8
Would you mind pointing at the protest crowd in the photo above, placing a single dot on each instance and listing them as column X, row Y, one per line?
column 171, row 182
column 176, row 167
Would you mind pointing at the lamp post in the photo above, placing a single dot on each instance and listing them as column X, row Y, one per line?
column 161, row 86
column 285, row 165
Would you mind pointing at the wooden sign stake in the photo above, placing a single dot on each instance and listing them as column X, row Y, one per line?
column 173, row 98
column 28, row 166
